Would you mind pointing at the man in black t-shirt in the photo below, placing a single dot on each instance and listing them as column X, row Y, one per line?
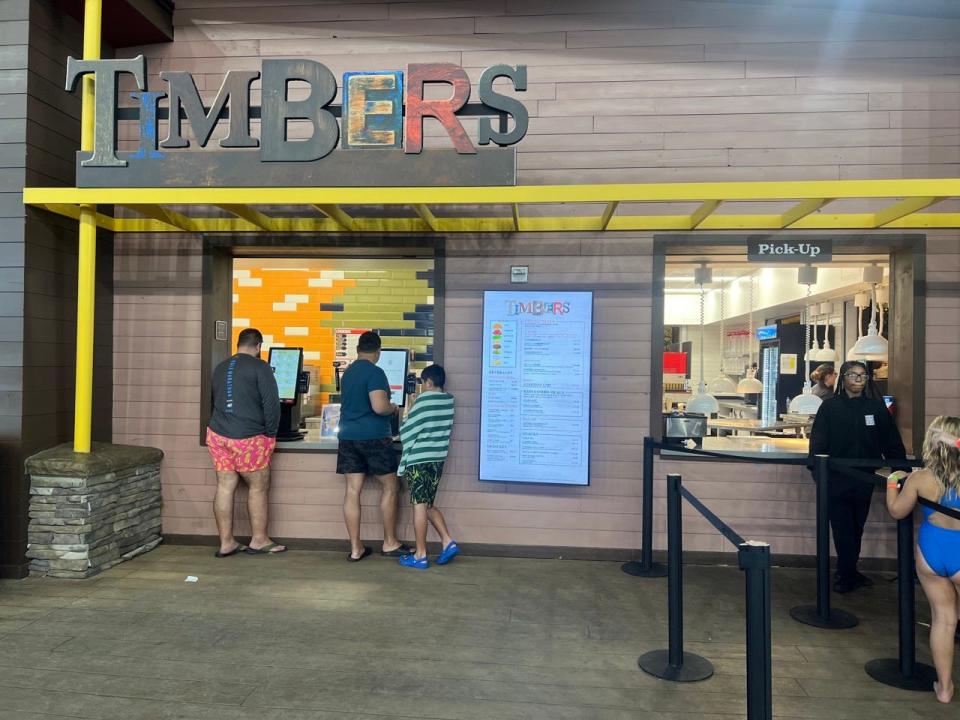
column 241, row 438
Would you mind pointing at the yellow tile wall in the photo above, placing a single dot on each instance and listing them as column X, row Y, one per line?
column 374, row 294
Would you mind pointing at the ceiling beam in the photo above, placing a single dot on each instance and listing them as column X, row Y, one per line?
column 902, row 208
column 801, row 210
column 608, row 213
column 162, row 214
column 254, row 217
column 338, row 215
column 703, row 212
column 428, row 217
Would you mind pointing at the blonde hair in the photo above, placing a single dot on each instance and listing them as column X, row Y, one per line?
column 941, row 459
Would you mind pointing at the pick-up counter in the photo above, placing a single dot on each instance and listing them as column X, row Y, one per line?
column 752, row 446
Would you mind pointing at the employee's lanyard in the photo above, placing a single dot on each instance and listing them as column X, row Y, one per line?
column 230, row 368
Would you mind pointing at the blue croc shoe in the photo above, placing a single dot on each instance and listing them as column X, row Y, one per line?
column 411, row 562
column 448, row 554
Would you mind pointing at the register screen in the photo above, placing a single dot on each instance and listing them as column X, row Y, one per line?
column 535, row 396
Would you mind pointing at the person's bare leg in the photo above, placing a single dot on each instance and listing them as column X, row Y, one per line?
column 351, row 512
column 223, row 509
column 388, row 509
column 440, row 525
column 942, row 595
column 420, row 529
column 258, row 486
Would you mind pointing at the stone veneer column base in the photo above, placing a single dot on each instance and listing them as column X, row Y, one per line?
column 89, row 512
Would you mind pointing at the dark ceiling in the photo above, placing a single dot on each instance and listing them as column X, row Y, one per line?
column 130, row 22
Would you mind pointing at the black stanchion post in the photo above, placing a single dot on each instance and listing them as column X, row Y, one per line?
column 755, row 561
column 821, row 615
column 646, row 567
column 904, row 672
column 675, row 664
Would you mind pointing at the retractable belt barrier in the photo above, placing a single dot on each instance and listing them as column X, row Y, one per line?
column 679, row 666
column 902, row 672
column 646, row 567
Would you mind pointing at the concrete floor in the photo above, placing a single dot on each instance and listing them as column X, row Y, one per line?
column 308, row 636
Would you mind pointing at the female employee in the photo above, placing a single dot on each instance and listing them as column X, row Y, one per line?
column 852, row 424
column 825, row 381
column 938, row 540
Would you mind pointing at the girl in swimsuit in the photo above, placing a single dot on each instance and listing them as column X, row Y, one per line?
column 938, row 539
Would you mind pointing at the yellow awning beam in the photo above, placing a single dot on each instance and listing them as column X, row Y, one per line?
column 338, row 216
column 903, row 209
column 801, row 210
column 906, row 198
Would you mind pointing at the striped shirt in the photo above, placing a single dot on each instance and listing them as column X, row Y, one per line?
column 425, row 433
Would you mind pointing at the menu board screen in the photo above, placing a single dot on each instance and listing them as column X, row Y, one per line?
column 535, row 397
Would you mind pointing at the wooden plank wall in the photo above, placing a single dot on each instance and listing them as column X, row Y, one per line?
column 943, row 318
column 14, row 21
column 39, row 134
column 619, row 91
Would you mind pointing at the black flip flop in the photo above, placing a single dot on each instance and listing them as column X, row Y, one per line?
column 238, row 549
column 402, row 549
column 366, row 552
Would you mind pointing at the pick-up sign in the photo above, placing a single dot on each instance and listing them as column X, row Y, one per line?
column 796, row 250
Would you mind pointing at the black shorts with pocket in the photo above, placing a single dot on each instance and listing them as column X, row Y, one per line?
column 370, row 457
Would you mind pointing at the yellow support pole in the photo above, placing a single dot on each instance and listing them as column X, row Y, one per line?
column 87, row 250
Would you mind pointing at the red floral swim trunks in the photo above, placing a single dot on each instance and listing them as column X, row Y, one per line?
column 243, row 456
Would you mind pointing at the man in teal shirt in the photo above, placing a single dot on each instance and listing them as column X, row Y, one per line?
column 366, row 445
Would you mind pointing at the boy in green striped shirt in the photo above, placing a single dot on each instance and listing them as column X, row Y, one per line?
column 425, row 436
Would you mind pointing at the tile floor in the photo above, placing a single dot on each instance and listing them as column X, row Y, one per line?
column 307, row 635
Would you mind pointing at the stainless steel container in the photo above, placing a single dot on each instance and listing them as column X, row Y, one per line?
column 678, row 426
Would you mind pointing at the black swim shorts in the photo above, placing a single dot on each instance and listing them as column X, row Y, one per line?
column 370, row 457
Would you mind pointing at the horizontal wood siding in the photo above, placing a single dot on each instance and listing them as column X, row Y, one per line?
column 619, row 92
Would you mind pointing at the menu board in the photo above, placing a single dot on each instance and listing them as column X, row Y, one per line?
column 394, row 363
column 286, row 364
column 535, row 396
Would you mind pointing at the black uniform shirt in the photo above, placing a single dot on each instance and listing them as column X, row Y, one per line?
column 858, row 427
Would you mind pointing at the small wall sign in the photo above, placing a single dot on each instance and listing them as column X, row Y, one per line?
column 788, row 364
column 793, row 250
column 519, row 273
column 221, row 330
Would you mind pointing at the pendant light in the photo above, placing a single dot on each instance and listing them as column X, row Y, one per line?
column 722, row 384
column 703, row 402
column 873, row 343
column 750, row 384
column 827, row 354
column 861, row 301
column 806, row 403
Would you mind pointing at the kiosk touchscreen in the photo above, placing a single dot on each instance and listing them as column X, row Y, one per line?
column 395, row 363
column 287, row 365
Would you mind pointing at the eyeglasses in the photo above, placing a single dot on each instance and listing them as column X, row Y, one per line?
column 855, row 376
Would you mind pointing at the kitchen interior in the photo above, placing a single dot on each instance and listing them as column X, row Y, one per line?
column 741, row 340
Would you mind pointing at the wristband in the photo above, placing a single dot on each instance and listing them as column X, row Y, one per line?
column 893, row 485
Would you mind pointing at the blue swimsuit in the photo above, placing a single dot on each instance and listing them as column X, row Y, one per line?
column 940, row 546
